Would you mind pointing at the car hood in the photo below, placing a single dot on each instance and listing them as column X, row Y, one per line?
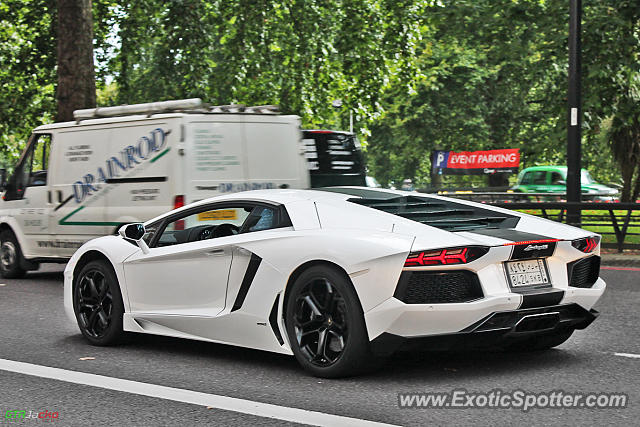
column 599, row 187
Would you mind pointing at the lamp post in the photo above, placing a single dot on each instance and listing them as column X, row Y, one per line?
column 337, row 104
column 574, row 169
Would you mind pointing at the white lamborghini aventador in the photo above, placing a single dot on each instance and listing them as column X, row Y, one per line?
column 339, row 278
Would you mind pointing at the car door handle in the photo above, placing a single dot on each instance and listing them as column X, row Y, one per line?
column 215, row 252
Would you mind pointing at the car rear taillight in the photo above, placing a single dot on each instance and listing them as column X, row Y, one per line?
column 531, row 242
column 587, row 244
column 445, row 256
column 178, row 202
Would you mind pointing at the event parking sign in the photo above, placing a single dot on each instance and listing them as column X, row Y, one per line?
column 476, row 162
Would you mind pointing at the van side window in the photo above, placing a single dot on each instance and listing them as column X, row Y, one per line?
column 40, row 161
column 31, row 170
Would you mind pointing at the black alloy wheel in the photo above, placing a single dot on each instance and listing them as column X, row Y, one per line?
column 320, row 322
column 325, row 324
column 97, row 303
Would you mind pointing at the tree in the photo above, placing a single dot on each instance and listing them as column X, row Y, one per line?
column 494, row 75
column 76, row 76
column 27, row 71
column 418, row 74
column 624, row 137
column 612, row 84
column 298, row 54
column 479, row 87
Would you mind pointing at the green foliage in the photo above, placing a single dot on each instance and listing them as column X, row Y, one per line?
column 298, row 54
column 27, row 71
column 418, row 74
column 494, row 75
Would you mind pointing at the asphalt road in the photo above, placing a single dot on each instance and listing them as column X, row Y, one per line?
column 34, row 329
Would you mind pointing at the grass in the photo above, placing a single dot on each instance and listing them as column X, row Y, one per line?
column 599, row 222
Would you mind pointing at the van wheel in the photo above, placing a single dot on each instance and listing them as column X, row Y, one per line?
column 10, row 256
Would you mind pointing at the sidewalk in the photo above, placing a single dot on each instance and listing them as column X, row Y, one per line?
column 621, row 260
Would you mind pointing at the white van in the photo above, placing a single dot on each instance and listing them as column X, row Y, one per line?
column 116, row 165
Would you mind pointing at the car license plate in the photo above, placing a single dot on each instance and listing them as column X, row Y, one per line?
column 531, row 272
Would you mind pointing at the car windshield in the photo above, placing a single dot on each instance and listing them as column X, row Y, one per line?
column 586, row 178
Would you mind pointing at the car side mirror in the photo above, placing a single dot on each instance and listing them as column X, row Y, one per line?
column 135, row 232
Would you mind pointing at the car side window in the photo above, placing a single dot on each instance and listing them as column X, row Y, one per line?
column 210, row 222
column 540, row 177
column 556, row 178
column 526, row 179
column 261, row 218
column 203, row 224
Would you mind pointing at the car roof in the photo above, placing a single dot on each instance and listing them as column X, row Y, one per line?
column 286, row 196
column 293, row 195
column 547, row 168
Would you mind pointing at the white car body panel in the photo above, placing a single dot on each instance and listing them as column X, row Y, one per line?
column 169, row 290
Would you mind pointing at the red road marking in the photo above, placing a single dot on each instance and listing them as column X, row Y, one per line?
column 621, row 268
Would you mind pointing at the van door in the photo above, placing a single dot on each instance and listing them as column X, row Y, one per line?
column 140, row 181
column 78, row 163
column 28, row 197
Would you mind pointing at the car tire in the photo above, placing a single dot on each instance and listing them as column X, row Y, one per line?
column 540, row 342
column 10, row 256
column 97, row 303
column 325, row 325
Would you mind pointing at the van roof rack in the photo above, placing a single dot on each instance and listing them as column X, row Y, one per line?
column 173, row 106
column 147, row 108
column 240, row 108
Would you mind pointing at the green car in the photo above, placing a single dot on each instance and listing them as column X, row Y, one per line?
column 553, row 179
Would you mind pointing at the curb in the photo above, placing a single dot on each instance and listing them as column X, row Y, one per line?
column 621, row 260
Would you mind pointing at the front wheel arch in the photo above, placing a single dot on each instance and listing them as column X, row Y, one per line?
column 89, row 256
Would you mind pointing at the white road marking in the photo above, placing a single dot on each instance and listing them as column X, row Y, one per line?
column 226, row 403
column 631, row 355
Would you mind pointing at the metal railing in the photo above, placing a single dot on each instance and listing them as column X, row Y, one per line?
column 616, row 222
column 496, row 196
